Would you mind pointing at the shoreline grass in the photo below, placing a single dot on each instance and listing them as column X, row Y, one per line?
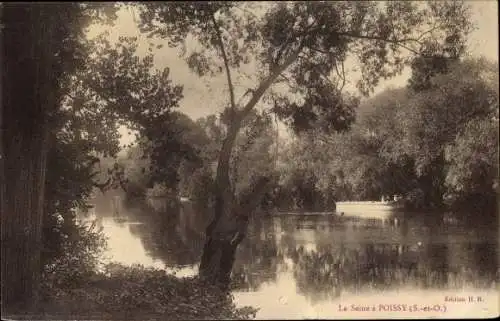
column 134, row 293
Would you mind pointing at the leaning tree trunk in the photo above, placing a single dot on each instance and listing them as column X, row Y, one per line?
column 220, row 244
column 228, row 227
column 25, row 101
column 225, row 233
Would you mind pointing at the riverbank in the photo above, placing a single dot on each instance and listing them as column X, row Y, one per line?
column 134, row 293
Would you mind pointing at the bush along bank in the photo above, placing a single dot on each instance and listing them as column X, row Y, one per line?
column 134, row 293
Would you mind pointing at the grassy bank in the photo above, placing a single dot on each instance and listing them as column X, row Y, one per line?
column 134, row 293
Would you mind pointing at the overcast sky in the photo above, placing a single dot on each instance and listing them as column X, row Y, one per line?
column 201, row 100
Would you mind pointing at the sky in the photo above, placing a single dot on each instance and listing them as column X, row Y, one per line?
column 206, row 96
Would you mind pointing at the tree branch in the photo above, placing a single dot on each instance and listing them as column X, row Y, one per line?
column 319, row 50
column 224, row 197
column 399, row 42
column 325, row 76
column 341, row 76
column 268, row 81
column 426, row 32
column 226, row 62
column 284, row 77
column 246, row 93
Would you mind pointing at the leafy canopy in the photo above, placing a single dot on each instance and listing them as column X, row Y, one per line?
column 302, row 47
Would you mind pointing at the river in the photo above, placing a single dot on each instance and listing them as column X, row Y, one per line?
column 363, row 265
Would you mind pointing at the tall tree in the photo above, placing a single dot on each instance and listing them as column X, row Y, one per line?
column 409, row 141
column 434, row 118
column 40, row 48
column 300, row 47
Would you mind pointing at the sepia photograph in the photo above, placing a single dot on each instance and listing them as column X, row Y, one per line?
column 249, row 160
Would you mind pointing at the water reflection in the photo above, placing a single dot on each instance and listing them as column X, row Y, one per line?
column 315, row 260
column 167, row 235
column 261, row 246
column 367, row 256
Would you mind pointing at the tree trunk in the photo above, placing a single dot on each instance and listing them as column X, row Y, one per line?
column 225, row 233
column 228, row 227
column 220, row 244
column 25, row 102
column 217, row 261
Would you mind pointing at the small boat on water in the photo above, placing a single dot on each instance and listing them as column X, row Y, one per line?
column 304, row 213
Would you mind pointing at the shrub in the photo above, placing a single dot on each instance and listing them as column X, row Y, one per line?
column 138, row 293
column 81, row 254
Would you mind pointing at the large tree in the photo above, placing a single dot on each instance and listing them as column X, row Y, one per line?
column 433, row 145
column 456, row 105
column 298, row 52
column 40, row 49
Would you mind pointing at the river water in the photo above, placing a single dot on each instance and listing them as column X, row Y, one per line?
column 369, row 263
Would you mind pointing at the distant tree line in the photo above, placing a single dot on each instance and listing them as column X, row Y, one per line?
column 432, row 143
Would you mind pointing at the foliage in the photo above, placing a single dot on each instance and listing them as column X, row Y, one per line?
column 201, row 190
column 305, row 180
column 435, row 116
column 69, row 182
column 44, row 48
column 151, row 163
column 117, row 87
column 157, row 163
column 382, row 166
column 313, row 39
column 98, row 94
column 81, row 253
column 428, row 145
column 138, row 293
column 300, row 45
column 137, row 171
column 297, row 51
column 254, row 151
column 176, row 150
column 472, row 178
column 123, row 87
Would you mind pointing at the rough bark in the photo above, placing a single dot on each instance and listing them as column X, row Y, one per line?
column 225, row 234
column 26, row 100
column 218, row 252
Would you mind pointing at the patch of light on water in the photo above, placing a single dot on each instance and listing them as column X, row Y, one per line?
column 276, row 301
column 127, row 249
